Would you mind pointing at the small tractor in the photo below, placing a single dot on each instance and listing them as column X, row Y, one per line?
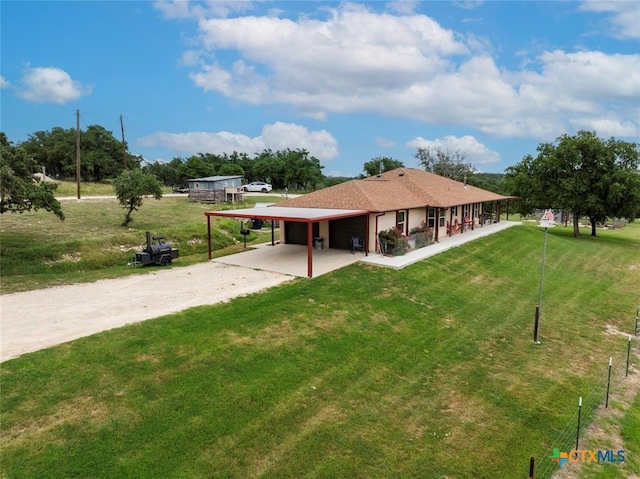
column 159, row 252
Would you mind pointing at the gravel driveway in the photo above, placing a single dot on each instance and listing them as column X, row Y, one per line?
column 39, row 319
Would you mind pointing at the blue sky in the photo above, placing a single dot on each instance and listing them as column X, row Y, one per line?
column 348, row 81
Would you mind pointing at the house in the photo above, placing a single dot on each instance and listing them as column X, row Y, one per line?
column 216, row 189
column 404, row 199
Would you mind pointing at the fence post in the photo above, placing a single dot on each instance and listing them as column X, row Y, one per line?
column 578, row 430
column 628, row 355
column 606, row 402
column 636, row 330
column 532, row 465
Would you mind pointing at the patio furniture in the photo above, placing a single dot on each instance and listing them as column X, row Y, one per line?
column 357, row 244
column 454, row 228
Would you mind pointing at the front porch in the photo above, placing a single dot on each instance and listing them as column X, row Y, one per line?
column 445, row 243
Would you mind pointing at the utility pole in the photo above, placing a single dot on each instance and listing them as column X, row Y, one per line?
column 124, row 145
column 78, row 151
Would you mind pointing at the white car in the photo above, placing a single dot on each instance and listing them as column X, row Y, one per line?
column 257, row 186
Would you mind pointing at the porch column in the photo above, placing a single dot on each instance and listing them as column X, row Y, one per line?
column 366, row 236
column 209, row 235
column 273, row 238
column 309, row 249
column 436, row 225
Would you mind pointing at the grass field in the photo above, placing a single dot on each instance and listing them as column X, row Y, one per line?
column 70, row 188
column 426, row 372
column 38, row 250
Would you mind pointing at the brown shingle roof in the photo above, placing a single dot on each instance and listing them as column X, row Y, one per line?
column 398, row 189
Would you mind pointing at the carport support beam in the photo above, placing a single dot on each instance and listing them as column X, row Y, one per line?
column 309, row 249
column 209, row 235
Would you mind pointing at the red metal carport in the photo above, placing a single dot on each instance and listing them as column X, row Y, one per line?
column 298, row 215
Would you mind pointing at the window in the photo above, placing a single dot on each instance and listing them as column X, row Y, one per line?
column 401, row 219
column 443, row 217
column 465, row 211
column 454, row 211
column 475, row 210
column 431, row 217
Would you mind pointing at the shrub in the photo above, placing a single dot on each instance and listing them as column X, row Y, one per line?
column 422, row 235
column 393, row 242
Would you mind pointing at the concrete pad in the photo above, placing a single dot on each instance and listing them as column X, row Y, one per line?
column 290, row 259
column 446, row 243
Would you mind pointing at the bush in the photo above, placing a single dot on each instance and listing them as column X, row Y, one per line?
column 422, row 235
column 393, row 242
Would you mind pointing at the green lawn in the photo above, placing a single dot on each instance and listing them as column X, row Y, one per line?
column 366, row 372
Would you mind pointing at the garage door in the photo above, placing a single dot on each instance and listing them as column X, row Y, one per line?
column 296, row 233
column 341, row 231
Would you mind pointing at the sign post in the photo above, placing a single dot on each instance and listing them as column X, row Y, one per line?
column 547, row 221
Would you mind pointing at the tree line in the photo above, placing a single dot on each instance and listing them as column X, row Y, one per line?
column 103, row 157
column 295, row 169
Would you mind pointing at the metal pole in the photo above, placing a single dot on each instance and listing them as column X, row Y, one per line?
column 78, row 152
column 209, row 235
column 124, row 145
column 578, row 431
column 628, row 355
column 539, row 307
column 606, row 402
column 532, row 465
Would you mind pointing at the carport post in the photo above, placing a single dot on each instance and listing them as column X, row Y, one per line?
column 309, row 249
column 209, row 235
column 273, row 237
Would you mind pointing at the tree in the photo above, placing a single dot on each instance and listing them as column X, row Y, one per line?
column 444, row 162
column 270, row 167
column 101, row 154
column 380, row 164
column 302, row 171
column 167, row 173
column 196, row 166
column 230, row 169
column 131, row 186
column 583, row 174
column 19, row 190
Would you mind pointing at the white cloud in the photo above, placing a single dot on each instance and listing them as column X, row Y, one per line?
column 4, row 83
column 276, row 136
column 385, row 143
column 50, row 85
column 189, row 9
column 468, row 4
column 475, row 152
column 356, row 60
column 347, row 60
column 624, row 16
column 402, row 6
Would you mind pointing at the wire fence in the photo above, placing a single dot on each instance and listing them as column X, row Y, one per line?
column 570, row 437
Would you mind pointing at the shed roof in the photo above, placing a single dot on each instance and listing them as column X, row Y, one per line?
column 216, row 178
column 397, row 189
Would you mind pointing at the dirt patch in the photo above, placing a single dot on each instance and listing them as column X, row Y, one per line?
column 74, row 411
